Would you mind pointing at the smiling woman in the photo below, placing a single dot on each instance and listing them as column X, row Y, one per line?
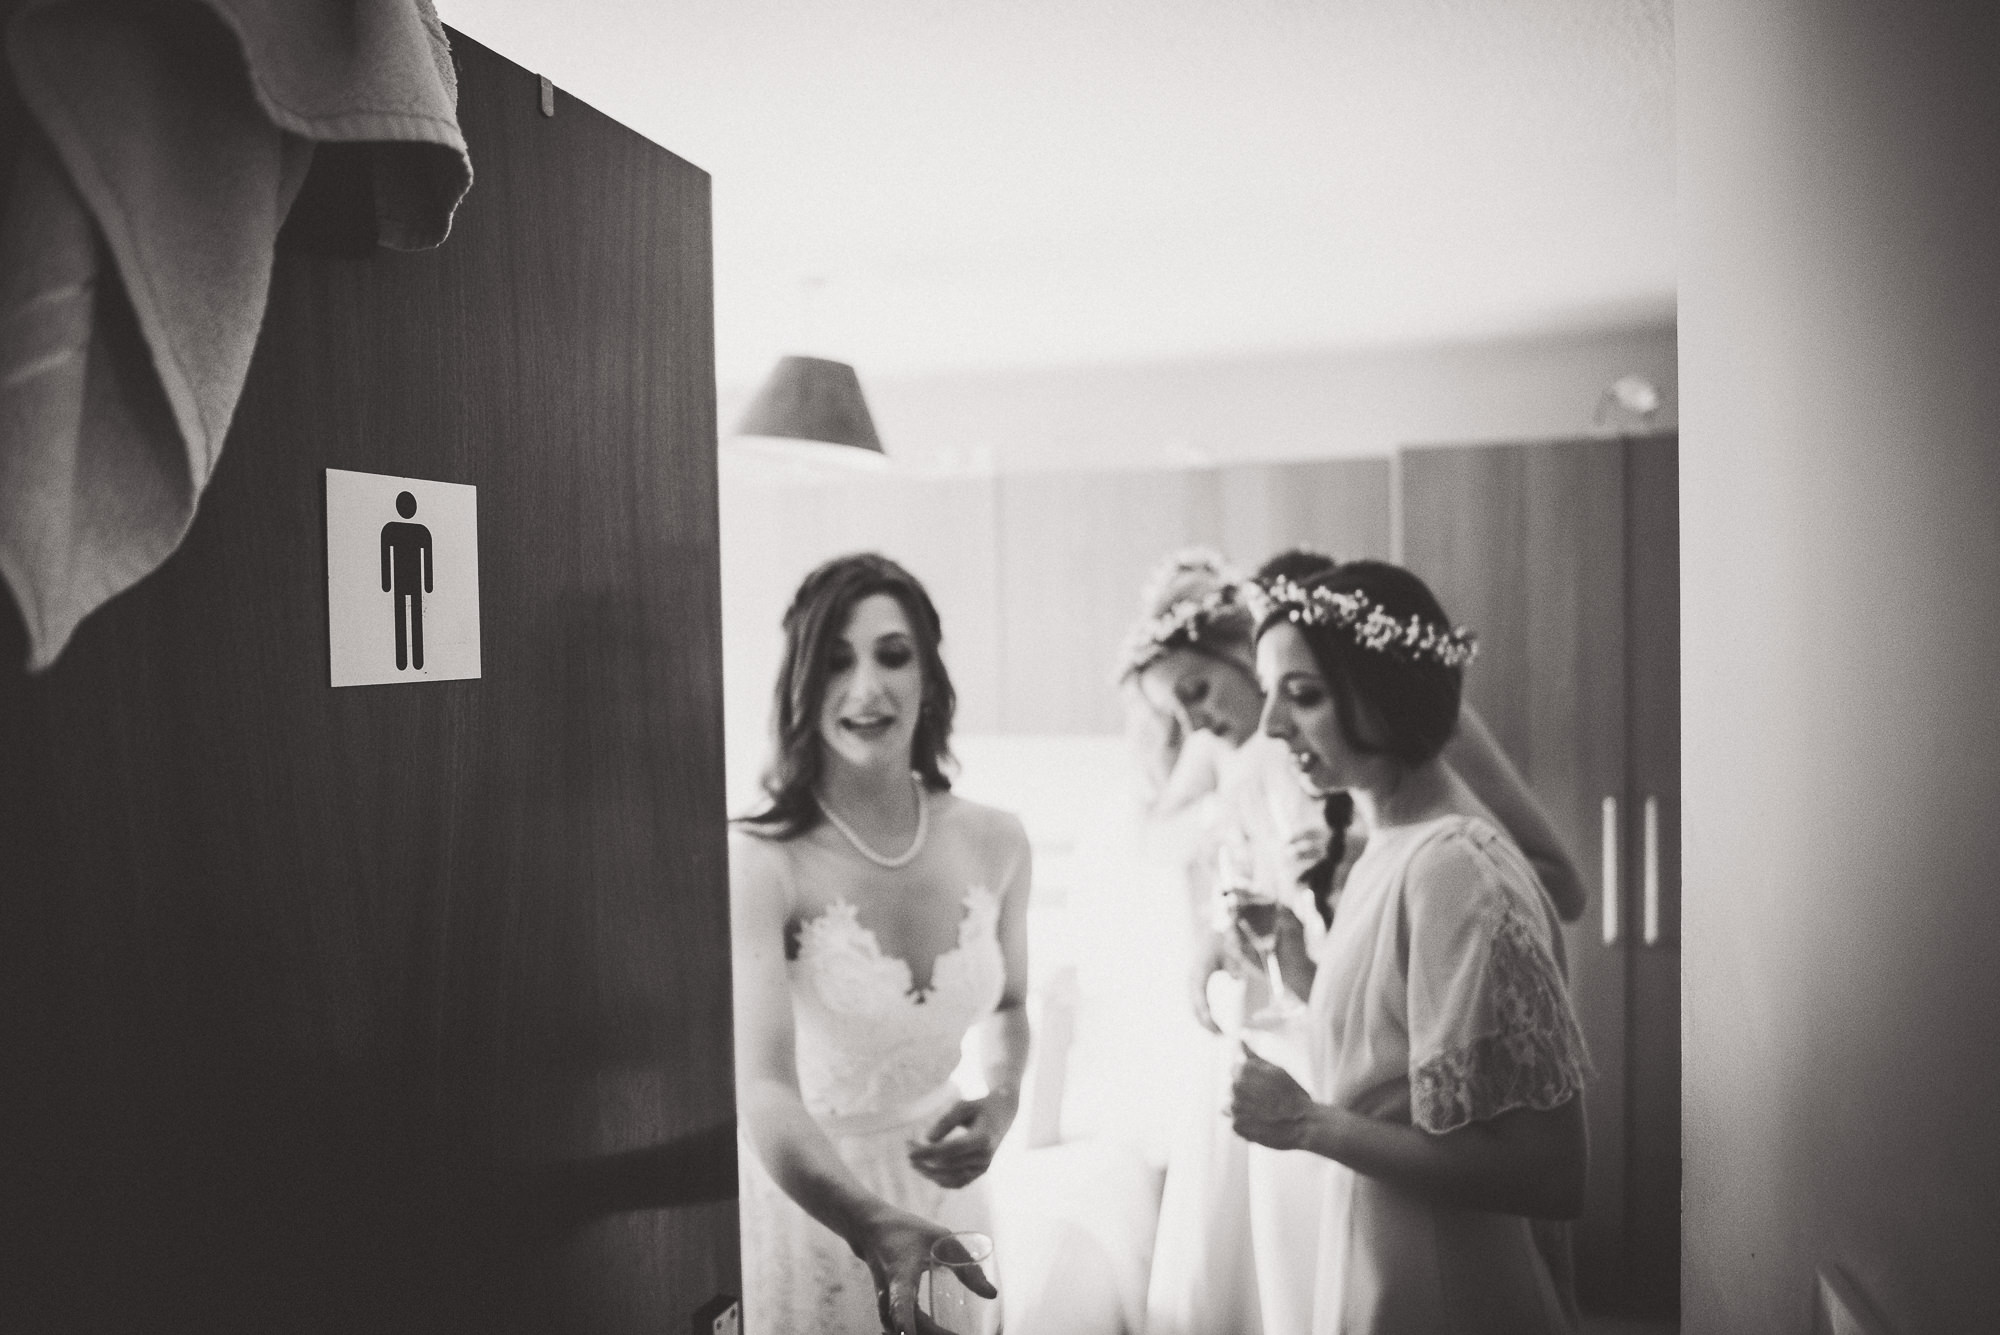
column 1447, row 1064
column 877, row 918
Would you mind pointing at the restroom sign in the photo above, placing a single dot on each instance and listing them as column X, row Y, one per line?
column 402, row 579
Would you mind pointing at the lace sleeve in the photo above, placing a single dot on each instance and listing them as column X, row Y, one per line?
column 1491, row 1026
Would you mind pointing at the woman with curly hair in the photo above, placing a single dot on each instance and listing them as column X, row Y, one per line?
column 876, row 918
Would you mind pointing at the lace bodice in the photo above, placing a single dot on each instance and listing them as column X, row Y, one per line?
column 868, row 1043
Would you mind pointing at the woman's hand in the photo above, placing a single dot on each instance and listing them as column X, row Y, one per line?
column 1295, row 961
column 1303, row 852
column 956, row 1160
column 1217, row 954
column 1267, row 1106
column 896, row 1247
column 1241, row 948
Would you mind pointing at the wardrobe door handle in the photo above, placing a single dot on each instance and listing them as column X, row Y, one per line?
column 1608, row 842
column 1650, row 886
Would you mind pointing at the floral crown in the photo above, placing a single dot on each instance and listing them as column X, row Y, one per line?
column 1413, row 640
column 1180, row 626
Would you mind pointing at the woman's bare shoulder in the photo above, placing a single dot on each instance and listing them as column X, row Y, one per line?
column 993, row 828
column 756, row 855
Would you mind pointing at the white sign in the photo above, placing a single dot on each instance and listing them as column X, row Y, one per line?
column 402, row 579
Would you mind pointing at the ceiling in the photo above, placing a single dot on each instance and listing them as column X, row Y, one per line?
column 923, row 186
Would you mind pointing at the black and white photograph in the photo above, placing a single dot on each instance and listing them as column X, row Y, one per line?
column 1019, row 667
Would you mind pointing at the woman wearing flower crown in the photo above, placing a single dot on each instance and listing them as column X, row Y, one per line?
column 1223, row 790
column 876, row 918
column 1447, row 1065
column 1236, row 1246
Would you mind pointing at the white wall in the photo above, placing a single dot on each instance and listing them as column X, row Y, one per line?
column 1840, row 338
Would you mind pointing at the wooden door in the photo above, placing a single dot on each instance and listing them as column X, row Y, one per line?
column 1525, row 544
column 1339, row 506
column 301, row 985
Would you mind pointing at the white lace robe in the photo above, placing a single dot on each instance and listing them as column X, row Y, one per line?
column 875, row 1064
column 1438, row 1002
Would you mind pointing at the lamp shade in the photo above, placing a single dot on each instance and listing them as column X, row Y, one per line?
column 812, row 399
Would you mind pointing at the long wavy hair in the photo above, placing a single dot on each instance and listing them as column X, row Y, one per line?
column 819, row 612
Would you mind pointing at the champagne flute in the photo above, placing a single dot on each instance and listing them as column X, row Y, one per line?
column 1235, row 879
column 1260, row 918
column 945, row 1297
column 1257, row 909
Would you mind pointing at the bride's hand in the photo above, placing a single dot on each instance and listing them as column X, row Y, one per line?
column 961, row 1159
column 897, row 1248
column 1208, row 961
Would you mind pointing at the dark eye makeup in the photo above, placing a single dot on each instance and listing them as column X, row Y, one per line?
column 1304, row 693
column 890, row 653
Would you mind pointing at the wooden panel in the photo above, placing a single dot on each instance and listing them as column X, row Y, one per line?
column 1074, row 550
column 1575, row 758
column 1525, row 545
column 1334, row 505
column 1654, row 1063
column 1464, row 533
column 299, row 980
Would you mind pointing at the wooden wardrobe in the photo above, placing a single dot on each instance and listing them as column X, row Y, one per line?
column 1564, row 557
column 303, row 991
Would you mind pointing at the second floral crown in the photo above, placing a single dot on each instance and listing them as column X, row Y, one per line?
column 1411, row 639
column 1182, row 625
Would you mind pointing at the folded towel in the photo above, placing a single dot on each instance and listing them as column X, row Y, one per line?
column 137, row 241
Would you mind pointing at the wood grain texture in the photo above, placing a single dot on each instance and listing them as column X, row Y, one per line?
column 1525, row 544
column 301, row 981
column 1575, row 757
column 1074, row 551
column 1654, row 1086
column 1339, row 506
column 1464, row 532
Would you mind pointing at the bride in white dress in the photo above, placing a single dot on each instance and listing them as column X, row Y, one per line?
column 876, row 919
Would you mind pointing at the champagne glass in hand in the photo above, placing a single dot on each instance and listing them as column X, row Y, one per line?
column 956, row 1293
column 1255, row 911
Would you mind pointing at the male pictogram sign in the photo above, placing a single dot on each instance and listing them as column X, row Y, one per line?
column 402, row 579
column 406, row 572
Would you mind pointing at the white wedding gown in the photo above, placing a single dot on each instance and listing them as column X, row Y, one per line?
column 875, row 1064
column 1237, row 1246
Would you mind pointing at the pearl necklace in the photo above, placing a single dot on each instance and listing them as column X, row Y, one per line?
column 902, row 859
